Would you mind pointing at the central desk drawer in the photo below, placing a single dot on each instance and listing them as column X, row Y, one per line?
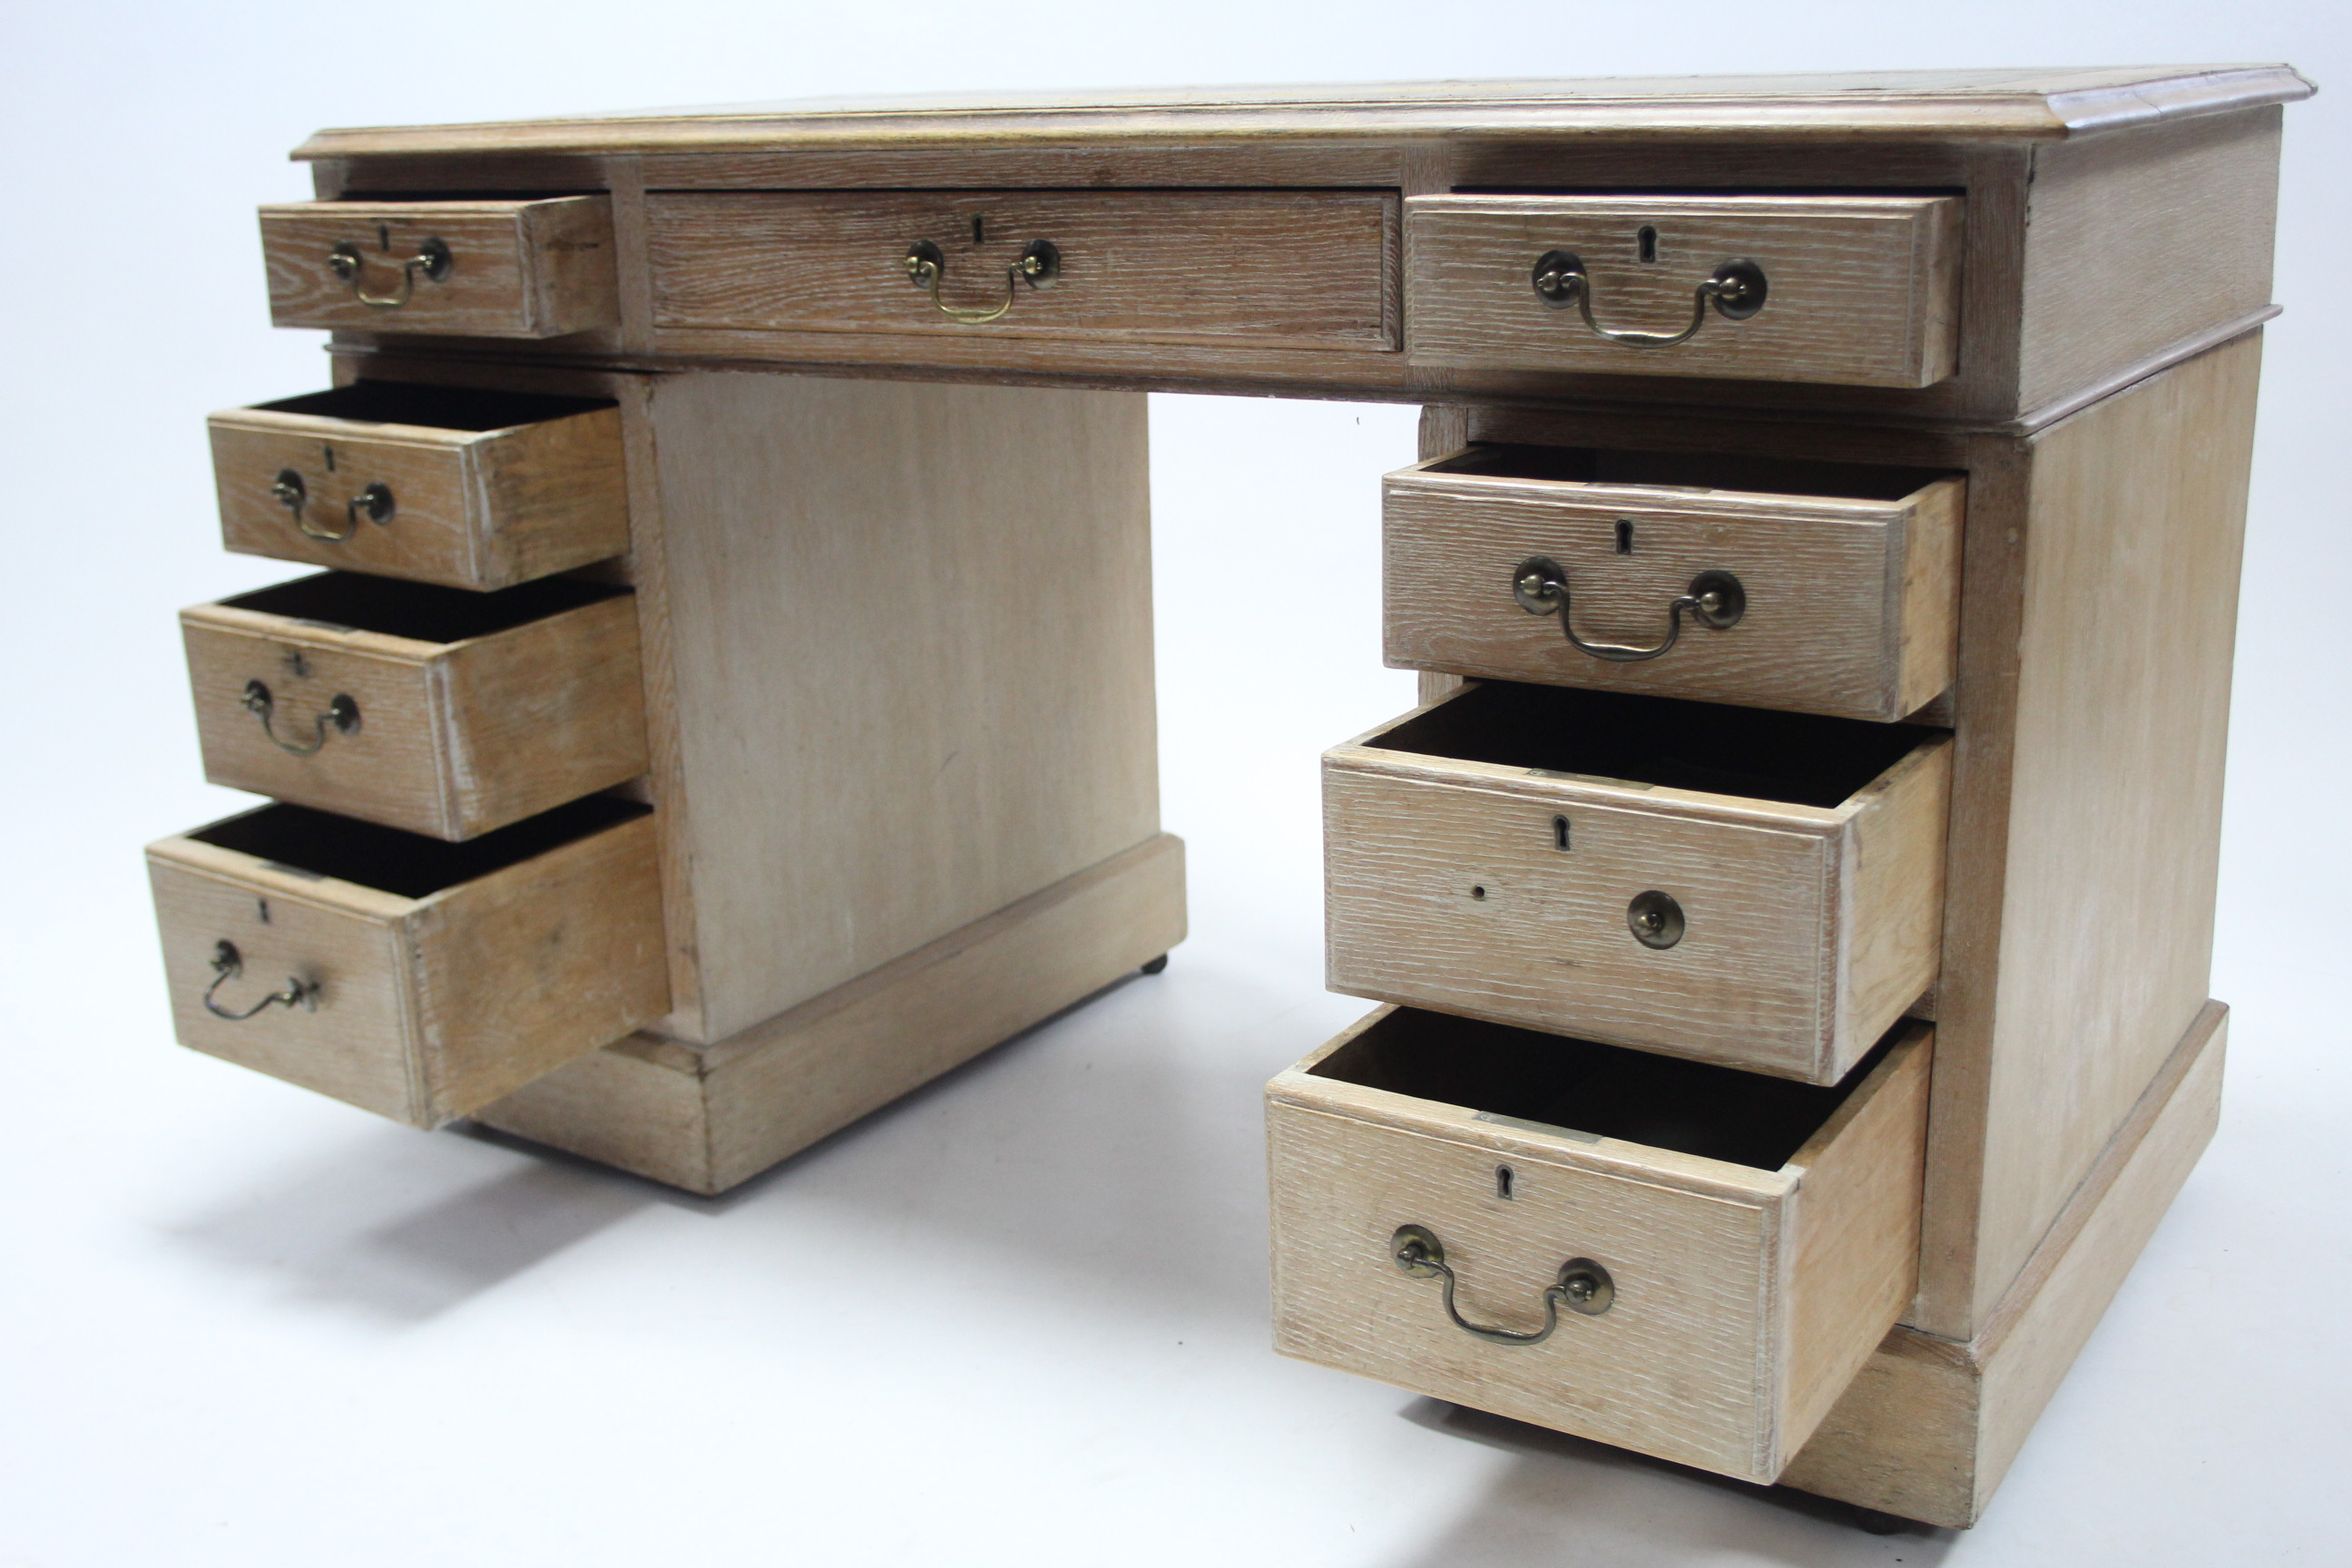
column 1714, row 1255
column 417, row 979
column 1837, row 583
column 443, row 484
column 1268, row 268
column 430, row 708
column 1757, row 888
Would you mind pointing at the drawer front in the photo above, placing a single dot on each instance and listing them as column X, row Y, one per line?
column 1844, row 607
column 469, row 509
column 419, row 1008
column 1271, row 268
column 1740, row 1300
column 1804, row 932
column 474, row 269
column 449, row 739
column 1854, row 290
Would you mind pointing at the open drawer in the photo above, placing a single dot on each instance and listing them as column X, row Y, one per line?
column 1729, row 884
column 493, row 268
column 443, row 484
column 409, row 976
column 1776, row 583
column 419, row 707
column 1676, row 1258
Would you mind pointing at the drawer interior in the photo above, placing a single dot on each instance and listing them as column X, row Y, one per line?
column 1801, row 759
column 408, row 865
column 1581, row 1088
column 434, row 408
column 1689, row 470
column 421, row 612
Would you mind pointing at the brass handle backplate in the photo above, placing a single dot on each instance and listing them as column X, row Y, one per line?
column 372, row 503
column 432, row 262
column 1714, row 600
column 1737, row 291
column 1584, row 1286
column 1038, row 266
column 341, row 718
column 228, row 963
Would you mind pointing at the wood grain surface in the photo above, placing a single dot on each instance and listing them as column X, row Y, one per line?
column 1445, row 887
column 1697, row 1361
column 1863, row 290
column 536, row 269
column 1852, row 604
column 455, row 738
column 1270, row 269
column 473, row 509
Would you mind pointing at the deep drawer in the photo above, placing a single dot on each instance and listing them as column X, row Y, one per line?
column 1271, row 269
column 1756, row 888
column 413, row 978
column 1714, row 1255
column 450, row 485
column 1837, row 583
column 1849, row 291
column 430, row 708
column 475, row 268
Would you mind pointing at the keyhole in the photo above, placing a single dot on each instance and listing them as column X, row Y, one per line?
column 1648, row 241
column 1559, row 834
column 1503, row 1180
column 384, row 236
column 330, row 453
column 1624, row 536
column 976, row 231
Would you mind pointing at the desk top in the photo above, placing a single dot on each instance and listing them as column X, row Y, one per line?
column 1902, row 105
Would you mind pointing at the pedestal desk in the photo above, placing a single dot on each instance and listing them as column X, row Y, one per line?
column 729, row 701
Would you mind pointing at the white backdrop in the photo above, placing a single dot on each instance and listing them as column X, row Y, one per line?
column 1019, row 1318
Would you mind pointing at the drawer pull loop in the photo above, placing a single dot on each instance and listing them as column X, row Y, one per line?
column 1584, row 1286
column 1039, row 264
column 1737, row 289
column 432, row 260
column 342, row 717
column 228, row 963
column 375, row 502
column 1714, row 600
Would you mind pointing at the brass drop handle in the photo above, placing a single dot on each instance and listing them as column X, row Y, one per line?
column 432, row 261
column 1584, row 1286
column 1737, row 289
column 1714, row 600
column 342, row 717
column 374, row 503
column 228, row 963
column 1038, row 266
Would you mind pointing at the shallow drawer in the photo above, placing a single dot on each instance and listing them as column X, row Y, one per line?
column 1276, row 269
column 1850, row 290
column 475, row 489
column 1680, row 1260
column 430, row 708
column 1757, row 888
column 1834, row 586
column 413, row 978
column 474, row 269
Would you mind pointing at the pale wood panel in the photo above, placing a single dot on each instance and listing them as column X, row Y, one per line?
column 1928, row 1427
column 1851, row 604
column 472, row 508
column 2137, row 505
column 518, row 269
column 455, row 739
column 1445, row 887
column 1863, row 290
column 1274, row 268
column 1694, row 1359
column 1946, row 104
column 2194, row 204
column 428, row 1007
column 708, row 1118
column 910, row 636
